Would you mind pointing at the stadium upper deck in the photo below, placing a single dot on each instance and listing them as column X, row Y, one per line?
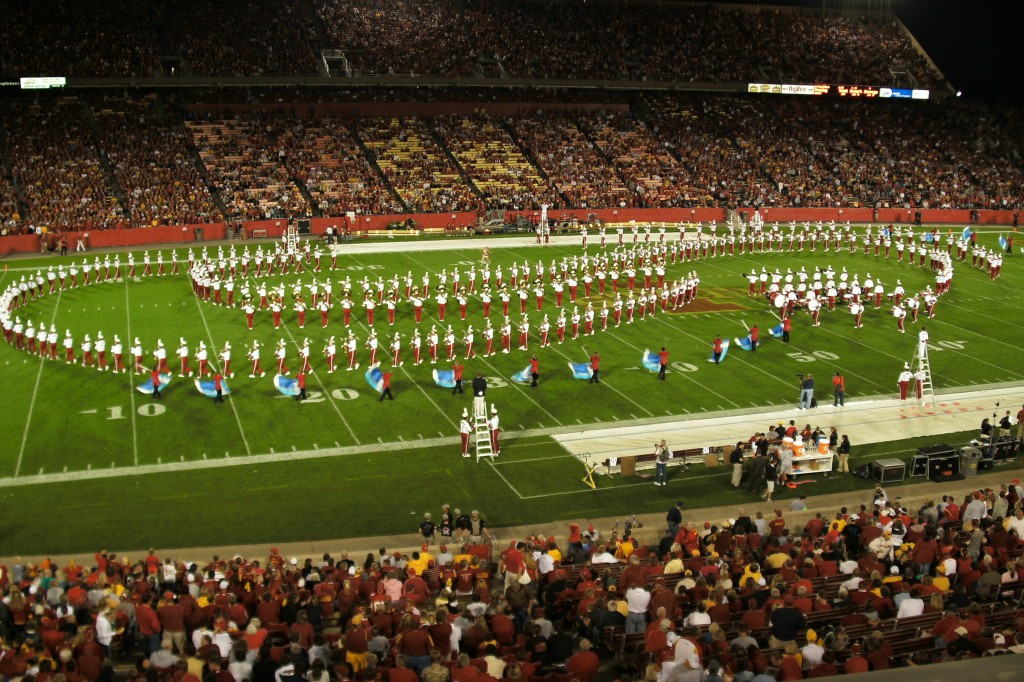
column 531, row 39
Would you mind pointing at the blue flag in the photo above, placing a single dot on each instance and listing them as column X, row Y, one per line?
column 523, row 377
column 146, row 386
column 207, row 388
column 966, row 234
column 445, row 378
column 651, row 361
column 776, row 331
column 744, row 343
column 581, row 370
column 929, row 237
column 725, row 351
column 1002, row 242
column 375, row 378
column 288, row 386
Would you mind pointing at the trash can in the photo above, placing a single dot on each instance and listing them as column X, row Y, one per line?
column 970, row 457
column 199, row 234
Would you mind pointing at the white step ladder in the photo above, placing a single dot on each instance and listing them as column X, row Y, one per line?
column 291, row 244
column 924, row 374
column 483, row 437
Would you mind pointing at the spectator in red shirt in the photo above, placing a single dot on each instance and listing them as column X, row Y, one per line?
column 584, row 664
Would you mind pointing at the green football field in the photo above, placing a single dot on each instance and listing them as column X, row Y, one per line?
column 88, row 460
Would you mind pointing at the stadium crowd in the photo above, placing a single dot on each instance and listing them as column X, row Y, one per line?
column 152, row 161
column 128, row 162
column 268, row 38
column 800, row 594
column 579, row 173
column 323, row 156
column 246, row 163
column 675, row 42
column 58, row 168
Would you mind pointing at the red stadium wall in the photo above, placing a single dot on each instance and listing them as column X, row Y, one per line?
column 164, row 234
column 170, row 234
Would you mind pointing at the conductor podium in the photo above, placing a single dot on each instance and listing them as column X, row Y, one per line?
column 937, row 462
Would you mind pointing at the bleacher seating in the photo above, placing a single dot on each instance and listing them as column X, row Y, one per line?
column 415, row 166
column 494, row 163
column 151, row 161
column 246, row 165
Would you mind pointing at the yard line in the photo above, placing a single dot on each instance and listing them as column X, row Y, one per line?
column 934, row 320
column 326, row 391
column 523, row 391
column 32, row 402
column 502, row 477
column 500, row 463
column 427, row 396
column 605, row 383
column 131, row 378
column 1002, row 321
column 740, row 358
column 851, row 372
column 415, row 383
column 685, row 375
column 861, row 343
column 213, row 346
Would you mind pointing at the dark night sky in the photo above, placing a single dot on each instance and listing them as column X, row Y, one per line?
column 973, row 43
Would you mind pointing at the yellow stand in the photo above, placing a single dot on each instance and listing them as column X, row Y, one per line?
column 588, row 479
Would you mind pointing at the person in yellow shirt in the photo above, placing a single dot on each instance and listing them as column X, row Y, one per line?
column 625, row 548
column 940, row 580
column 420, row 560
column 751, row 570
column 553, row 551
column 777, row 559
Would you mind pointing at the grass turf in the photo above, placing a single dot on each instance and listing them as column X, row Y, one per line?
column 60, row 418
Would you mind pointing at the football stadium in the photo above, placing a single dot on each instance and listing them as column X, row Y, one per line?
column 470, row 340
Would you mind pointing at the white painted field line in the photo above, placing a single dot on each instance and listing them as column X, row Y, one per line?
column 213, row 346
column 502, row 477
column 685, row 375
column 131, row 377
column 326, row 391
column 32, row 402
column 522, row 390
column 605, row 383
column 739, row 358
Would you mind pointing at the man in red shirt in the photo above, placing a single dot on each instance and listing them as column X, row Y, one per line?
column 717, row 348
column 595, row 368
column 584, row 663
column 385, row 387
column 300, row 381
column 457, row 376
column 172, row 620
column 786, row 325
column 415, row 644
column 534, row 370
column 149, row 625
column 218, row 386
column 755, row 334
column 513, row 561
column 663, row 360
column 155, row 376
